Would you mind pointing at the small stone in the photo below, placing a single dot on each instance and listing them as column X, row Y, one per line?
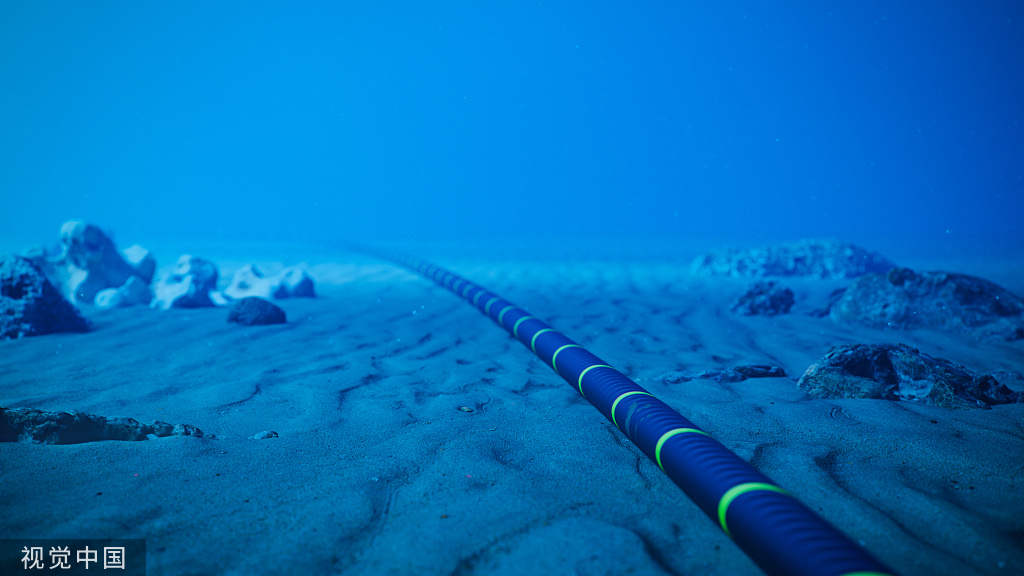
column 465, row 408
column 264, row 435
column 725, row 376
column 768, row 298
column 254, row 311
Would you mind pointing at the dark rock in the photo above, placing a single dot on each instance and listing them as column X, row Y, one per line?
column 766, row 298
column 33, row 426
column 1012, row 380
column 902, row 299
column 761, row 371
column 815, row 258
column 899, row 372
column 253, row 311
column 30, row 305
column 728, row 375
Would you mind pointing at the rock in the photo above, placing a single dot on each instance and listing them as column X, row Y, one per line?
column 249, row 282
column 50, row 261
column 94, row 263
column 264, row 435
column 33, row 426
column 30, row 305
column 1012, row 380
column 829, row 259
column 902, row 299
column 294, row 282
column 254, row 311
column 899, row 372
column 187, row 285
column 143, row 262
column 290, row 282
column 766, row 298
column 87, row 262
column 134, row 291
column 728, row 375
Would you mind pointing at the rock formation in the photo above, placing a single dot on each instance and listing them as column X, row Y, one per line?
column 903, row 299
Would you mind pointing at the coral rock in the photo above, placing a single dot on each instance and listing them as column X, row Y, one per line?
column 30, row 305
column 899, row 372
column 33, row 426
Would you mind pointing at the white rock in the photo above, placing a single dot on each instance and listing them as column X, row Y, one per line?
column 88, row 263
column 249, row 281
column 188, row 285
column 290, row 282
column 134, row 291
column 142, row 260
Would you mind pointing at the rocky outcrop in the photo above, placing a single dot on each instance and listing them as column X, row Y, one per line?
column 33, row 426
column 767, row 298
column 254, row 311
column 30, row 305
column 899, row 372
column 292, row 282
column 902, row 299
column 188, row 285
column 827, row 259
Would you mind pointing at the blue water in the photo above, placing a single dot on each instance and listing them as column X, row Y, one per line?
column 868, row 121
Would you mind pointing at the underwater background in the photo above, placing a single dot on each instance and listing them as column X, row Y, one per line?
column 333, row 121
column 798, row 224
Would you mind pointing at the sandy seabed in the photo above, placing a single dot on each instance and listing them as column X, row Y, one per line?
column 380, row 469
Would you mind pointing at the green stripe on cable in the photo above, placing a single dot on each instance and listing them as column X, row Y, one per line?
column 620, row 399
column 736, row 491
column 589, row 368
column 560, row 348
